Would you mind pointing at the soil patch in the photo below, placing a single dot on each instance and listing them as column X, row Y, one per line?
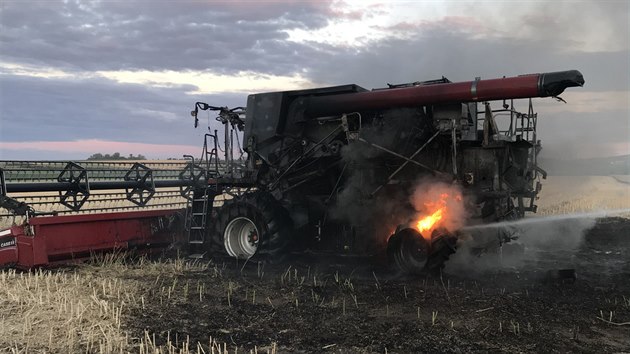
column 320, row 303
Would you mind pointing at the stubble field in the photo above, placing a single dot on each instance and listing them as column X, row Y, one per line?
column 319, row 303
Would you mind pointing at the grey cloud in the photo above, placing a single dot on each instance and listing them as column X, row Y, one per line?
column 462, row 47
column 119, row 35
column 304, row 14
column 461, row 58
column 247, row 36
column 37, row 109
column 566, row 23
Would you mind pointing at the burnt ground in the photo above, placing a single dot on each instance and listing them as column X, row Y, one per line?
column 343, row 304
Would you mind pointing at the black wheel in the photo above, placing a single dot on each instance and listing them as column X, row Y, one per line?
column 411, row 253
column 408, row 251
column 253, row 226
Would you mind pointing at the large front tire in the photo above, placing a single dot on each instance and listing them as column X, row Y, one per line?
column 253, row 226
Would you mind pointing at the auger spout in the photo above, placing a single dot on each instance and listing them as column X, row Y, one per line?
column 524, row 86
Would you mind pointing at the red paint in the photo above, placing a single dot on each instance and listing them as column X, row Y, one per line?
column 486, row 90
column 59, row 239
column 8, row 246
column 507, row 88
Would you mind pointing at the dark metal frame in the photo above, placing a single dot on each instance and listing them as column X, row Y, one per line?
column 78, row 190
column 144, row 187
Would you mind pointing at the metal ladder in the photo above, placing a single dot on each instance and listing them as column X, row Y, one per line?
column 200, row 205
column 198, row 219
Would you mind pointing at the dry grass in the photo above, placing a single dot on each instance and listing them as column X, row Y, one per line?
column 62, row 312
column 84, row 309
column 578, row 194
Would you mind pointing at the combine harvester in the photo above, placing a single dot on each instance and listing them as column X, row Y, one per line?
column 339, row 169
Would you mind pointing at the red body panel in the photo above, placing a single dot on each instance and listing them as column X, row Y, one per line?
column 479, row 90
column 8, row 246
column 48, row 240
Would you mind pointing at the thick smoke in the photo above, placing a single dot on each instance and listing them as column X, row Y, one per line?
column 550, row 234
column 537, row 239
column 380, row 214
column 367, row 168
column 429, row 196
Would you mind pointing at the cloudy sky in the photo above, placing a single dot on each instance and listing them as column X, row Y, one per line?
column 80, row 77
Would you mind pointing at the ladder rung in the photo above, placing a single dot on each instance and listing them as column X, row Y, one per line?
column 197, row 228
column 200, row 200
column 196, row 256
column 196, row 242
column 199, row 213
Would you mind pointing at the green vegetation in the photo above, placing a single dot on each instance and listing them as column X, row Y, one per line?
column 116, row 156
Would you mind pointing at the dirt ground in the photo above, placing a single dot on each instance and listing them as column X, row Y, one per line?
column 325, row 303
column 320, row 303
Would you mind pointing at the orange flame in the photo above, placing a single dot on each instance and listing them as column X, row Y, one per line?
column 428, row 223
column 439, row 205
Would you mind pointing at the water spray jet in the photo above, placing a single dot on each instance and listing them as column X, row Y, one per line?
column 537, row 220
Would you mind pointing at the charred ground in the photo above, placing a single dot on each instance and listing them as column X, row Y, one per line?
column 325, row 303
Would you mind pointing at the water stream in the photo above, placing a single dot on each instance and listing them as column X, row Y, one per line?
column 551, row 218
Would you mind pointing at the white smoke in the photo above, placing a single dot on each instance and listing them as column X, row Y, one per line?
column 560, row 236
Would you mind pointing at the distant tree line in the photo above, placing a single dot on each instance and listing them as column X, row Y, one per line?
column 116, row 156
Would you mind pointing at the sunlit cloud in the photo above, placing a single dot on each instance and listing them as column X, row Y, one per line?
column 37, row 71
column 207, row 82
column 195, row 82
column 554, row 21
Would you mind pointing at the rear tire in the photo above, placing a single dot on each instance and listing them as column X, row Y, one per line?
column 412, row 254
column 254, row 226
column 408, row 251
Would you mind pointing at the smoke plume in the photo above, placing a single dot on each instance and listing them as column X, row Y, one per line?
column 429, row 196
column 537, row 239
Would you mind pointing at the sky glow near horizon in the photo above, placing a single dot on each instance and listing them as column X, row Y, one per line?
column 78, row 78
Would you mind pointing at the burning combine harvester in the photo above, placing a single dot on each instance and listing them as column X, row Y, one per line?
column 392, row 172
column 397, row 169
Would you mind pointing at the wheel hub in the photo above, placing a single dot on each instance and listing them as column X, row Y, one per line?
column 241, row 238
